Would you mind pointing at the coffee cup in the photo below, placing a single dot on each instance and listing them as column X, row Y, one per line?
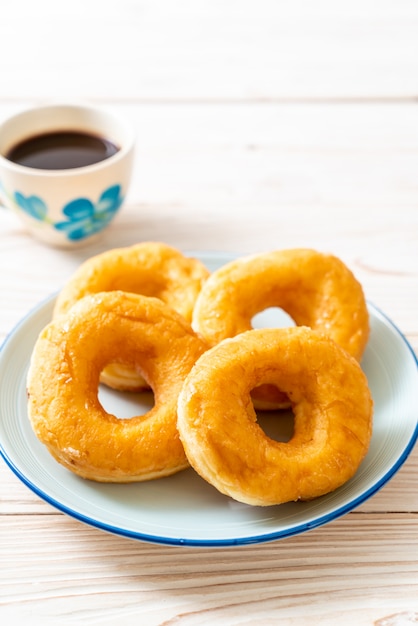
column 65, row 170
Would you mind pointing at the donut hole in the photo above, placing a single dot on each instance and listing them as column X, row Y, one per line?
column 272, row 317
column 125, row 404
column 277, row 425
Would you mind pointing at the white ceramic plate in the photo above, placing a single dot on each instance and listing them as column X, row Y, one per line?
column 183, row 509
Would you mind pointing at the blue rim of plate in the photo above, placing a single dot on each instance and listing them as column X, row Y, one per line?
column 217, row 542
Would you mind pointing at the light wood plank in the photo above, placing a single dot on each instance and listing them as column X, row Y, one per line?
column 76, row 574
column 204, row 50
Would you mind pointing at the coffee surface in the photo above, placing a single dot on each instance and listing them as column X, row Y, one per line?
column 61, row 150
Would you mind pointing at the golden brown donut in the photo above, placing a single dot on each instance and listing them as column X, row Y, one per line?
column 63, row 382
column 332, row 409
column 151, row 269
column 315, row 289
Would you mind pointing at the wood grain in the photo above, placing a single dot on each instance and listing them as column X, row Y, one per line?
column 198, row 50
column 73, row 572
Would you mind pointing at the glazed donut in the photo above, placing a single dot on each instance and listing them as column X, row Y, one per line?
column 332, row 408
column 151, row 269
column 63, row 381
column 315, row 289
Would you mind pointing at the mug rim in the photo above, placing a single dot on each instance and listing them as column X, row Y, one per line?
column 126, row 145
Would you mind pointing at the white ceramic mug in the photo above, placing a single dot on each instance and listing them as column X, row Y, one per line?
column 66, row 207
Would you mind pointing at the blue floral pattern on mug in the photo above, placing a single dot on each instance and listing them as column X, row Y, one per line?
column 33, row 206
column 83, row 217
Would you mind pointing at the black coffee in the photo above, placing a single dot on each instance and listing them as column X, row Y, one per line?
column 61, row 150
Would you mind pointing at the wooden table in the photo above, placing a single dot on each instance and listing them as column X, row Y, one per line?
column 260, row 125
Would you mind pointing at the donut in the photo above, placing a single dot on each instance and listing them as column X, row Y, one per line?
column 315, row 289
column 63, row 381
column 151, row 269
column 332, row 408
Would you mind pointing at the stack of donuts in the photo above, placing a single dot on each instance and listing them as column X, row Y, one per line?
column 147, row 316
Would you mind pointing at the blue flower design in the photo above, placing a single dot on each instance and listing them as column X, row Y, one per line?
column 33, row 205
column 85, row 218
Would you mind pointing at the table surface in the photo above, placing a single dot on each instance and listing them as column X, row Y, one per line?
column 261, row 125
